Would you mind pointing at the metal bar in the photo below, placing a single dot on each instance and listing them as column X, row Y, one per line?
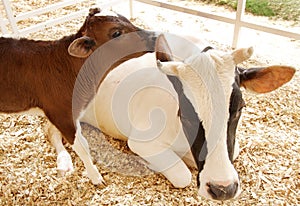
column 51, row 22
column 224, row 19
column 55, row 6
column 46, row 9
column 241, row 6
column 13, row 20
column 64, row 18
column 10, row 16
column 187, row 10
column 130, row 9
column 3, row 25
column 271, row 30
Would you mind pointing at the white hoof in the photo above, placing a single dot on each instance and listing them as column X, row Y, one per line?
column 64, row 163
column 94, row 175
column 183, row 181
column 179, row 175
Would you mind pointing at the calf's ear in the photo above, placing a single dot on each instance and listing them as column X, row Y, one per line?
column 93, row 11
column 162, row 49
column 263, row 80
column 81, row 47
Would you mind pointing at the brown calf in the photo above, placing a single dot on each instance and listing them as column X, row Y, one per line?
column 43, row 73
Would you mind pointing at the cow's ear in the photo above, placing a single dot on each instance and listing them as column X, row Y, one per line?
column 162, row 49
column 263, row 80
column 81, row 47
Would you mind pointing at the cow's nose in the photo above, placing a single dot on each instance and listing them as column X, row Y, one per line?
column 220, row 192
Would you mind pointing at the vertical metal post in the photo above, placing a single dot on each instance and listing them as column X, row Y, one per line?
column 10, row 16
column 130, row 9
column 3, row 25
column 237, row 27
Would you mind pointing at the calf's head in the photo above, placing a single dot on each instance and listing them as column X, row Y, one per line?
column 100, row 27
column 108, row 39
column 211, row 83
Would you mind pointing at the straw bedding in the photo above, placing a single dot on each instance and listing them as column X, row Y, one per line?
column 269, row 130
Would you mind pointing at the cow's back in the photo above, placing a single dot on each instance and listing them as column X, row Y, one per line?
column 128, row 95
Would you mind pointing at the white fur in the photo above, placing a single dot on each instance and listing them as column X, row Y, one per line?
column 64, row 161
column 81, row 148
column 169, row 146
column 138, row 110
column 202, row 77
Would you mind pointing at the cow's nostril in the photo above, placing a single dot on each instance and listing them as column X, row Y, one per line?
column 220, row 192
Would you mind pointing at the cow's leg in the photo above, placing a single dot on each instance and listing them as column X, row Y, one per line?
column 81, row 148
column 178, row 173
column 64, row 161
column 163, row 160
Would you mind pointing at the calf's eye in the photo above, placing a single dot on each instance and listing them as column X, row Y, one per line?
column 116, row 34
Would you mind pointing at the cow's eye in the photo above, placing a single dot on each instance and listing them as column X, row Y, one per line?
column 116, row 34
column 239, row 112
column 242, row 105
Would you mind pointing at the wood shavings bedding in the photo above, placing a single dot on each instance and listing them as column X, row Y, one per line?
column 268, row 133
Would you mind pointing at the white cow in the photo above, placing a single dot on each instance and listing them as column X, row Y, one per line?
column 188, row 120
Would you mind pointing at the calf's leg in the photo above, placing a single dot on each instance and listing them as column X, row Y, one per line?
column 81, row 148
column 64, row 161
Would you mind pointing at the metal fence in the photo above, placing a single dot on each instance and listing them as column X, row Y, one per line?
column 238, row 21
column 12, row 19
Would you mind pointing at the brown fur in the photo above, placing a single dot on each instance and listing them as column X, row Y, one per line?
column 39, row 74
column 42, row 73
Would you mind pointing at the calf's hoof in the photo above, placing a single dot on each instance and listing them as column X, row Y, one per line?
column 94, row 175
column 64, row 163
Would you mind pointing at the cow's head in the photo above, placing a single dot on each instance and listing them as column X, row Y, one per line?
column 100, row 27
column 218, row 111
